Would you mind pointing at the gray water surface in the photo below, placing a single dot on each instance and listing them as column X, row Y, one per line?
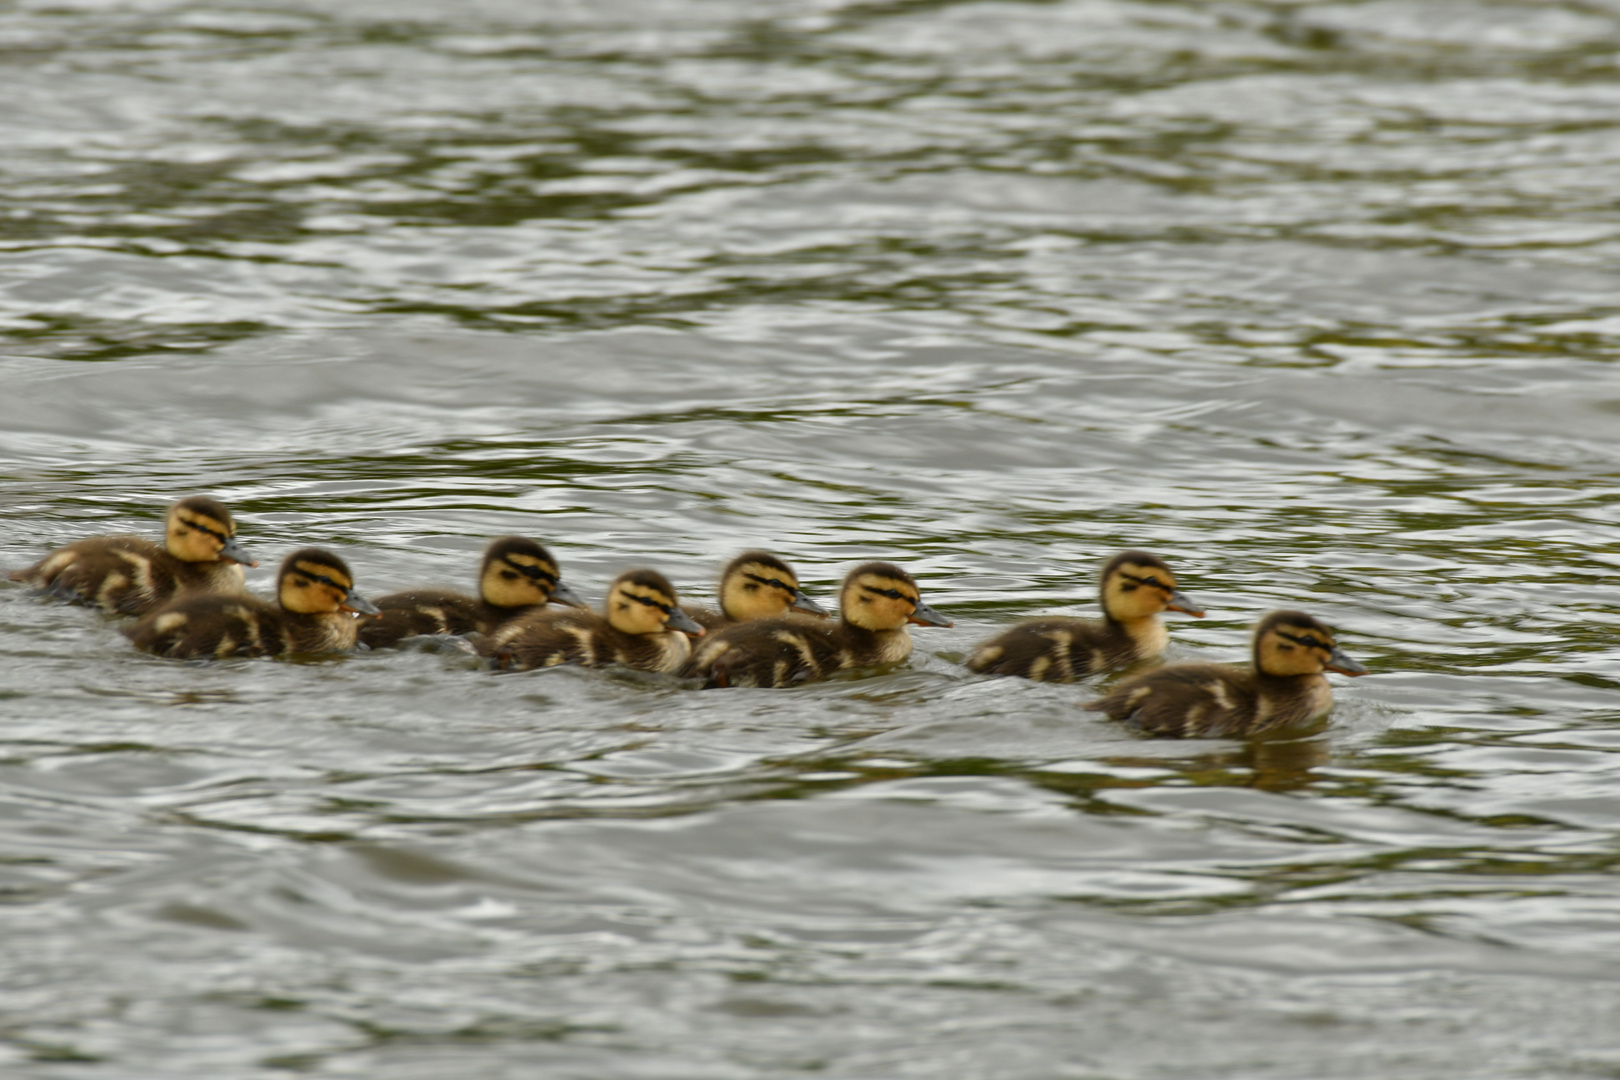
column 1315, row 300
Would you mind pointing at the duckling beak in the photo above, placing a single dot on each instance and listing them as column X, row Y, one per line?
column 562, row 594
column 923, row 615
column 680, row 620
column 1343, row 664
column 1180, row 601
column 803, row 603
column 358, row 604
column 237, row 553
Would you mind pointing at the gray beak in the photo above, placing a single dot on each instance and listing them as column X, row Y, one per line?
column 562, row 594
column 1343, row 664
column 1180, row 601
column 680, row 620
column 237, row 553
column 923, row 615
column 358, row 604
column 803, row 603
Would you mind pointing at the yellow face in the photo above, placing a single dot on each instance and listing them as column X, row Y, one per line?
column 1299, row 647
column 313, row 588
column 877, row 602
column 195, row 536
column 1137, row 591
column 634, row 607
column 517, row 579
column 757, row 591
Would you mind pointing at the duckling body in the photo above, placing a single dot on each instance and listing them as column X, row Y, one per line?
column 316, row 598
column 131, row 575
column 1285, row 686
column 517, row 577
column 642, row 626
column 876, row 603
column 1136, row 587
column 754, row 585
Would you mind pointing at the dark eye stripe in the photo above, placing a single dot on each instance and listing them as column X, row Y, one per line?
column 892, row 594
column 1153, row 581
column 533, row 573
column 776, row 583
column 324, row 580
column 650, row 602
column 215, row 533
column 1307, row 641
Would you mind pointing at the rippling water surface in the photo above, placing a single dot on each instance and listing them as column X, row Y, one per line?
column 1315, row 300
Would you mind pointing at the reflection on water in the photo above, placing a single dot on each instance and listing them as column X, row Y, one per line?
column 1315, row 301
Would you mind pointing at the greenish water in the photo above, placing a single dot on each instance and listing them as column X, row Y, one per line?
column 1315, row 300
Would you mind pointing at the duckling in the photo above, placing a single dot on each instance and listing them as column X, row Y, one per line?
column 642, row 627
column 1136, row 586
column 316, row 595
column 1285, row 686
column 131, row 575
column 755, row 585
column 518, row 576
column 876, row 602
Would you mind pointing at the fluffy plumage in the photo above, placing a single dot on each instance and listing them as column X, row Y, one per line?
column 642, row 626
column 754, row 585
column 876, row 603
column 316, row 598
column 131, row 575
column 1285, row 686
column 1135, row 588
column 517, row 577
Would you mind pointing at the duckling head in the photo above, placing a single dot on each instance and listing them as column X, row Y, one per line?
column 1293, row 643
column 200, row 529
column 1136, row 585
column 644, row 602
column 518, row 572
column 881, row 596
column 313, row 581
column 758, row 585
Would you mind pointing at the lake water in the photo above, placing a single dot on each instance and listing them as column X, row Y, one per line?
column 1318, row 301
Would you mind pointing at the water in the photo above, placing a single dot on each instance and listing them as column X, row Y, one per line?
column 1316, row 301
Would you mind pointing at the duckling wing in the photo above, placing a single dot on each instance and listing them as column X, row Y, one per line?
column 421, row 611
column 1184, row 700
column 1050, row 650
column 212, row 626
column 545, row 639
column 767, row 652
column 124, row 575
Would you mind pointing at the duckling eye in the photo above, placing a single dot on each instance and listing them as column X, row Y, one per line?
column 533, row 573
column 650, row 602
column 892, row 594
column 215, row 533
column 1148, row 580
column 775, row 583
column 324, row 580
column 510, row 575
column 1307, row 640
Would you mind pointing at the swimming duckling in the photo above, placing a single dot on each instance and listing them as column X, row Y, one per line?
column 643, row 627
column 754, row 585
column 1285, row 686
column 131, row 575
column 518, row 576
column 1136, row 586
column 316, row 597
column 875, row 604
